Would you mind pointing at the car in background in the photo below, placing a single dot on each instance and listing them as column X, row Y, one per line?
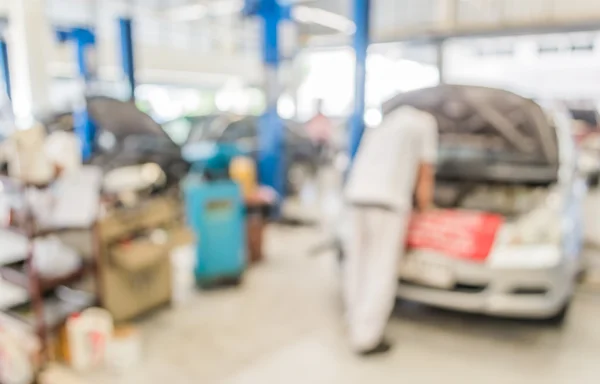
column 586, row 132
column 587, row 137
column 188, row 128
column 301, row 155
column 126, row 136
column 589, row 159
column 500, row 156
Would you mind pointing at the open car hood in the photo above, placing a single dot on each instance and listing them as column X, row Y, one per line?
column 487, row 119
column 121, row 118
column 138, row 139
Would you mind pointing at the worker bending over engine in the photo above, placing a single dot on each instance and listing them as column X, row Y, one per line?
column 394, row 164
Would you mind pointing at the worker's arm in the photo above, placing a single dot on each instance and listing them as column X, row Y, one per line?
column 424, row 190
column 425, row 186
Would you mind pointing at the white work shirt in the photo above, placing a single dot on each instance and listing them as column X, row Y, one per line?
column 384, row 171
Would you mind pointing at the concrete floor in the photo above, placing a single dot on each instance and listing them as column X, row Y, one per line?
column 284, row 326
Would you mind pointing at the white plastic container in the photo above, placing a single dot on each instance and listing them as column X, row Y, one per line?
column 124, row 349
column 88, row 335
column 183, row 262
column 15, row 363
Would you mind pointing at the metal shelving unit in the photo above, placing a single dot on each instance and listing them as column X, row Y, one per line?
column 50, row 301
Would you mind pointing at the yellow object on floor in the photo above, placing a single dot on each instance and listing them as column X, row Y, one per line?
column 242, row 170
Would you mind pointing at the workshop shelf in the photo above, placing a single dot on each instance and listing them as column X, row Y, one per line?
column 18, row 274
column 57, row 309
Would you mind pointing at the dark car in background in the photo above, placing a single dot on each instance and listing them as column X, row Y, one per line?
column 188, row 128
column 126, row 136
column 301, row 155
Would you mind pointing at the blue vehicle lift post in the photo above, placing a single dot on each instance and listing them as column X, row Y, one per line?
column 361, row 45
column 271, row 131
column 84, row 40
column 4, row 67
column 127, row 54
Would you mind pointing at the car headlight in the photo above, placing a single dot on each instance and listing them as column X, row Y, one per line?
column 533, row 242
column 533, row 233
column 542, row 225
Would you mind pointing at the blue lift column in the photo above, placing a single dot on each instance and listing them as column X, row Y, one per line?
column 84, row 40
column 360, row 44
column 127, row 56
column 271, row 130
column 4, row 67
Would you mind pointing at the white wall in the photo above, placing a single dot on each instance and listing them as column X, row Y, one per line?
column 398, row 19
column 555, row 75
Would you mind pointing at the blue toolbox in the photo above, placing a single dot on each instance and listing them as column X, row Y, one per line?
column 215, row 212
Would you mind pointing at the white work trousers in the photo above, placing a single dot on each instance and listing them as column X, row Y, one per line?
column 372, row 254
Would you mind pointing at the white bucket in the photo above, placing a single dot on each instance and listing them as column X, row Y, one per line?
column 183, row 263
column 88, row 335
column 125, row 349
column 15, row 364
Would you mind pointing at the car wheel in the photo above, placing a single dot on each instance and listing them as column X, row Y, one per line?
column 559, row 319
column 594, row 180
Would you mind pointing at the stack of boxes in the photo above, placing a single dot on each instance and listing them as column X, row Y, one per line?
column 135, row 267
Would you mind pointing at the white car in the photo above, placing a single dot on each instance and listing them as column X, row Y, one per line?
column 589, row 158
column 502, row 154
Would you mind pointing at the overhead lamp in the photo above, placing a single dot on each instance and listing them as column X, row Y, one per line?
column 187, row 12
column 310, row 15
column 373, row 117
column 193, row 12
column 286, row 107
column 226, row 7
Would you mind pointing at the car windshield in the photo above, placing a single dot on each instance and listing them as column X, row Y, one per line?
column 199, row 127
column 178, row 130
column 229, row 129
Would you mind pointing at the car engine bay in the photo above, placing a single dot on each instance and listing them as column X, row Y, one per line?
column 509, row 200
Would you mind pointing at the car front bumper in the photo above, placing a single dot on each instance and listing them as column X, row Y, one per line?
column 534, row 293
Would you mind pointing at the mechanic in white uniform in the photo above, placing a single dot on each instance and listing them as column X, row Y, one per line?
column 394, row 163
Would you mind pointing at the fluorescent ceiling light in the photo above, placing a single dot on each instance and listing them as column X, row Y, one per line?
column 187, row 12
column 225, row 7
column 324, row 18
column 373, row 117
column 192, row 12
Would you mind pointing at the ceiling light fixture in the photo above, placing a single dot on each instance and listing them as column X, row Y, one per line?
column 187, row 12
column 324, row 18
column 225, row 7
